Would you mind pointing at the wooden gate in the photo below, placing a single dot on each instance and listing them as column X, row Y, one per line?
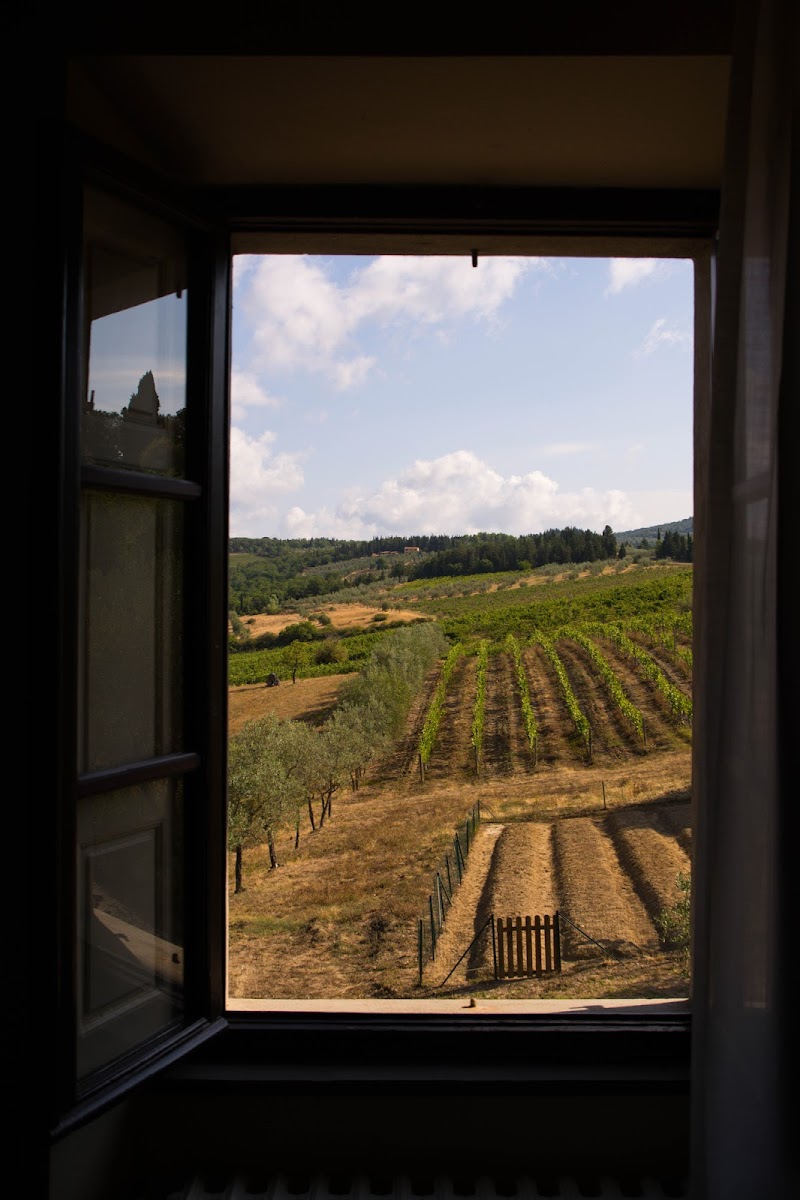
column 526, row 946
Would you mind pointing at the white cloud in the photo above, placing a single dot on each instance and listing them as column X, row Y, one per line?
column 628, row 272
column 247, row 392
column 352, row 372
column 662, row 334
column 299, row 318
column 459, row 493
column 258, row 476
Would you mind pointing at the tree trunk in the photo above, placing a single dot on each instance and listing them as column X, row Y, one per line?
column 273, row 858
column 238, row 869
column 311, row 815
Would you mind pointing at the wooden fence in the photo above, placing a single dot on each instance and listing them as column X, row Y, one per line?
column 526, row 946
column 445, row 883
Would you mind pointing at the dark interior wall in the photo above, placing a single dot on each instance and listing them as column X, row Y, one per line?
column 157, row 1141
column 180, row 1127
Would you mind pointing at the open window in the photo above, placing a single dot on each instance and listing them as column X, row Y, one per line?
column 146, row 842
column 385, row 409
column 138, row 761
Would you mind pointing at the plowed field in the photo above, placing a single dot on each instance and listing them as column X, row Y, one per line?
column 601, row 839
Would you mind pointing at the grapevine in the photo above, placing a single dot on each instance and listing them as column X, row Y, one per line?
column 434, row 715
column 581, row 722
column 628, row 710
column 680, row 704
column 480, row 701
column 524, row 696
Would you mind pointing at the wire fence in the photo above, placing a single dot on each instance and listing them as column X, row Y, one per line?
column 446, row 882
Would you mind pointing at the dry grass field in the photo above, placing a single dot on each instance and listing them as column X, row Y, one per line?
column 343, row 616
column 602, row 842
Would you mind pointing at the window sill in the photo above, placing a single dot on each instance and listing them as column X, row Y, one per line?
column 441, row 1046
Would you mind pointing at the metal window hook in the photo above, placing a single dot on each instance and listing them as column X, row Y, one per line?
column 474, row 258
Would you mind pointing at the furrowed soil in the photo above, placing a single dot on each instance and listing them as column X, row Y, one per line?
column 601, row 840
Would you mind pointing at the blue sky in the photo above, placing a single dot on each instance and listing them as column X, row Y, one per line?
column 397, row 395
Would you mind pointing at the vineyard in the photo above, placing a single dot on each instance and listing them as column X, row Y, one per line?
column 593, row 694
column 575, row 740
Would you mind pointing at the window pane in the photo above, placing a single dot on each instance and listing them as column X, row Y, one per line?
column 130, row 936
column 135, row 399
column 131, row 629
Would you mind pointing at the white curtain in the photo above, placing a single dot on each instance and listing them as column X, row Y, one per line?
column 746, row 848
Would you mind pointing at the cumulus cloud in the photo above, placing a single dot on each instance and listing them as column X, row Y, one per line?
column 258, row 478
column 299, row 317
column 662, row 334
column 628, row 272
column 247, row 392
column 460, row 493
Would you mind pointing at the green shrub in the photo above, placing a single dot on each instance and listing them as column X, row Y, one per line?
column 674, row 923
column 331, row 650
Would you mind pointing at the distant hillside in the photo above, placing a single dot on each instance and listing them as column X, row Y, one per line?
column 651, row 532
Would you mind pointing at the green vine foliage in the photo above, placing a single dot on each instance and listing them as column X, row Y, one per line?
column 674, row 923
column 480, row 700
column 680, row 703
column 434, row 715
column 528, row 715
column 613, row 685
column 581, row 722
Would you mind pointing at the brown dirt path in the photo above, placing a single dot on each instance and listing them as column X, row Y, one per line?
column 598, row 897
column 651, row 855
column 465, row 917
column 511, row 874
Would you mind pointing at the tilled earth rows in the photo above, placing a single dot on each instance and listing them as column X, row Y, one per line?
column 506, row 751
column 608, row 876
column 344, row 908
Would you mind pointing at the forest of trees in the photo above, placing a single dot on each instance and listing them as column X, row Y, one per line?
column 677, row 546
column 476, row 554
column 266, row 574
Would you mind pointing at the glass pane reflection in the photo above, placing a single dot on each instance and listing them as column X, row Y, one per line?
column 131, row 629
column 130, row 938
column 134, row 412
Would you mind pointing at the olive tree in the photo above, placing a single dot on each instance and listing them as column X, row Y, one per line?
column 261, row 790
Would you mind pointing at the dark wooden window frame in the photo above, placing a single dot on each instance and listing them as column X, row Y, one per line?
column 583, row 1052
